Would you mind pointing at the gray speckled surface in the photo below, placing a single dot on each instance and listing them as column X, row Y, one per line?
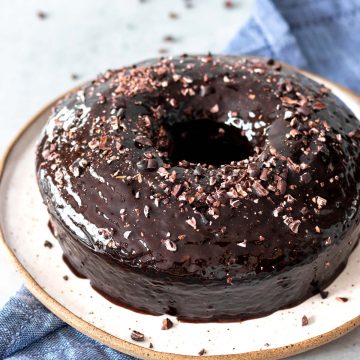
column 85, row 37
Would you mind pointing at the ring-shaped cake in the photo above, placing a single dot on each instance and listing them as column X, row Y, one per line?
column 206, row 187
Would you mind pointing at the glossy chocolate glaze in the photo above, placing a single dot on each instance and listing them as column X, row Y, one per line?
column 207, row 240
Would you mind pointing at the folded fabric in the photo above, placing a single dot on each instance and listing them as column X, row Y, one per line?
column 321, row 36
column 29, row 331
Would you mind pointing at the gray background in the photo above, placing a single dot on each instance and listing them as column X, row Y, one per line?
column 38, row 58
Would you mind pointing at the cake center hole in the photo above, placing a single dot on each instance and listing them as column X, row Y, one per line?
column 205, row 141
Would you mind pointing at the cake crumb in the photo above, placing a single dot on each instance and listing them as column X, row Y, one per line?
column 229, row 4
column 324, row 294
column 342, row 299
column 42, row 15
column 169, row 38
column 166, row 324
column 304, row 321
column 137, row 336
column 48, row 244
column 173, row 15
column 202, row 352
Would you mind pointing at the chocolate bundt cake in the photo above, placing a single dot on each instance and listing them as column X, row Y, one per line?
column 206, row 187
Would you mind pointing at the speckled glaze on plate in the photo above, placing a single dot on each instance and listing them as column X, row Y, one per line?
column 24, row 230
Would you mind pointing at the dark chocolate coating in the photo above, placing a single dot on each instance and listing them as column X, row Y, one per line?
column 272, row 224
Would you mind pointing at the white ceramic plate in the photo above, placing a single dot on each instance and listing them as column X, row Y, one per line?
column 24, row 220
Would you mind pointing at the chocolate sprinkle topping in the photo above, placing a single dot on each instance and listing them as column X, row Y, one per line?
column 170, row 245
column 294, row 226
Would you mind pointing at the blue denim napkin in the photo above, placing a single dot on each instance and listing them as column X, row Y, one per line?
column 321, row 36
column 318, row 35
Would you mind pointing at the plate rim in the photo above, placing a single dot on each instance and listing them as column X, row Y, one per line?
column 136, row 350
